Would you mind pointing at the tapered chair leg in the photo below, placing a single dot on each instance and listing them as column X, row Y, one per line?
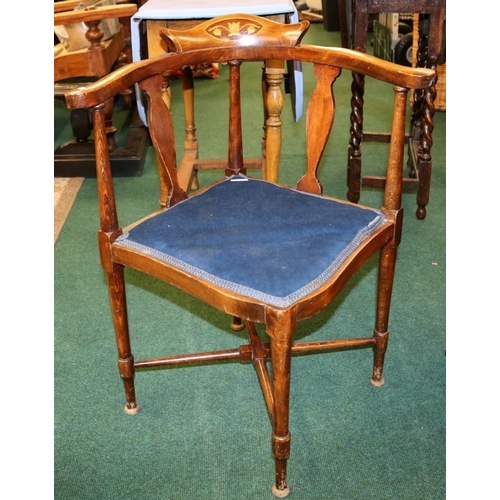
column 116, row 287
column 280, row 327
column 381, row 332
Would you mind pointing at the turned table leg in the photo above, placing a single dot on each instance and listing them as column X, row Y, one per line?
column 274, row 71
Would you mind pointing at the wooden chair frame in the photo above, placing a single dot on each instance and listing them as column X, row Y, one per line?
column 265, row 40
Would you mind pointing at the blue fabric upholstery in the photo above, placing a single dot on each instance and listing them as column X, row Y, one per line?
column 256, row 238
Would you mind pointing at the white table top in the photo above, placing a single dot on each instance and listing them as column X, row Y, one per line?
column 207, row 9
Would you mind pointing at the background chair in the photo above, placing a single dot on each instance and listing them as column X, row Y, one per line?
column 260, row 251
column 93, row 43
column 353, row 15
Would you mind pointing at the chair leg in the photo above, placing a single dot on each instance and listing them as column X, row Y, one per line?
column 81, row 124
column 424, row 153
column 237, row 325
column 280, row 327
column 123, row 60
column 424, row 183
column 116, row 287
column 110, row 128
column 381, row 332
column 424, row 104
column 353, row 175
column 356, row 138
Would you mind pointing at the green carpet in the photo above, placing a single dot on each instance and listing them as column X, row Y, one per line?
column 203, row 431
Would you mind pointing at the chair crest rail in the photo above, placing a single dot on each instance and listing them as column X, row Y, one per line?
column 349, row 60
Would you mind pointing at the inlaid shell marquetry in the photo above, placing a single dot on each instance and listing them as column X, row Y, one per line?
column 234, row 31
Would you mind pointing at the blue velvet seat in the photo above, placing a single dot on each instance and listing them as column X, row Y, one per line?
column 256, row 238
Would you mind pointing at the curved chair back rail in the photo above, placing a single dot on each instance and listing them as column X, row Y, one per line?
column 349, row 60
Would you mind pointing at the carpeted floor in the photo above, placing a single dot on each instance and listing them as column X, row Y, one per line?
column 203, row 431
column 65, row 191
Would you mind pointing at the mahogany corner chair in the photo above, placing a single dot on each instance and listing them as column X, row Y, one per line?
column 216, row 244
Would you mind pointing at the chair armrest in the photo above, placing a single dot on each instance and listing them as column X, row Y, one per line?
column 110, row 85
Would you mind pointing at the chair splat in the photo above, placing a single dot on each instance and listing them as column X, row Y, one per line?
column 235, row 145
column 320, row 116
column 161, row 131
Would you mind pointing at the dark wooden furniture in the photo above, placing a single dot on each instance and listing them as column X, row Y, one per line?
column 353, row 16
column 74, row 69
column 258, row 251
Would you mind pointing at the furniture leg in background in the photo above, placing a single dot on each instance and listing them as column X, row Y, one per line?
column 91, row 49
column 354, row 26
